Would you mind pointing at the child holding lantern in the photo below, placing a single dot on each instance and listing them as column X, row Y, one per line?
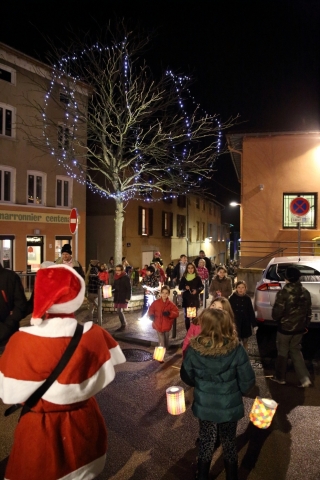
column 218, row 368
column 163, row 312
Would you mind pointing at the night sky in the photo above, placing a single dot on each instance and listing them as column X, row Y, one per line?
column 258, row 58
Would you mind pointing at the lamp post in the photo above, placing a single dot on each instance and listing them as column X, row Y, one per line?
column 235, row 245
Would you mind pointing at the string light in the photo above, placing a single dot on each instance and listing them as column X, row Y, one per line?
column 160, row 177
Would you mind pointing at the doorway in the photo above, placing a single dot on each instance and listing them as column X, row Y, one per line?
column 34, row 253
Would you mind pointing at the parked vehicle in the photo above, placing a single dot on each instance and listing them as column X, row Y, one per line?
column 272, row 281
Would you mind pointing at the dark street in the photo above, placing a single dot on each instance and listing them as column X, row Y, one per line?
column 146, row 442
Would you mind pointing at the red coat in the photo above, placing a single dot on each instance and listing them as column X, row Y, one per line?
column 66, row 436
column 162, row 323
column 104, row 277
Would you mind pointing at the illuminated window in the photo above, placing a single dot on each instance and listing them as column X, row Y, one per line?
column 304, row 202
column 36, row 187
column 145, row 219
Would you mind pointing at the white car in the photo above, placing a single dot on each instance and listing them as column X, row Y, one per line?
column 272, row 281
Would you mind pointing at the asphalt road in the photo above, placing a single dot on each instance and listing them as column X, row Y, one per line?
column 146, row 442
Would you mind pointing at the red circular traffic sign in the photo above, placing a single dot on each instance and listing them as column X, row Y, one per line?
column 73, row 221
column 299, row 206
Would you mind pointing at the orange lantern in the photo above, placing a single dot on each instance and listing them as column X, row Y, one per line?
column 107, row 291
column 159, row 353
column 175, row 400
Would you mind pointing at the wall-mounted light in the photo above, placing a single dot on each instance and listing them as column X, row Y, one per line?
column 234, row 204
column 261, row 186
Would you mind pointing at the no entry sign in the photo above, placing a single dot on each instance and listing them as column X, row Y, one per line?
column 73, row 221
column 299, row 206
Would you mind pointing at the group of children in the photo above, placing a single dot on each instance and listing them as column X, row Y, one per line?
column 215, row 363
column 238, row 306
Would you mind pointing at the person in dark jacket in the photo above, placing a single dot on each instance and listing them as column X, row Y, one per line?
column 218, row 368
column 244, row 315
column 221, row 285
column 292, row 312
column 151, row 287
column 93, row 285
column 122, row 293
column 67, row 259
column 202, row 256
column 13, row 303
column 191, row 284
column 180, row 268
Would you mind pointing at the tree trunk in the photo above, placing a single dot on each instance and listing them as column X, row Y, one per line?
column 118, row 221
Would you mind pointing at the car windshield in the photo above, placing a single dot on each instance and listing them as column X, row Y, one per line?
column 276, row 272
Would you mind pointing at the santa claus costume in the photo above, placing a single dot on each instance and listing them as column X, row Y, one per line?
column 64, row 435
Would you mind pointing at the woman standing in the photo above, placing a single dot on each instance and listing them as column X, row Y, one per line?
column 122, row 294
column 218, row 368
column 111, row 268
column 191, row 285
column 221, row 285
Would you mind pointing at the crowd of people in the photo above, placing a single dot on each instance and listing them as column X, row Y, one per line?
column 215, row 359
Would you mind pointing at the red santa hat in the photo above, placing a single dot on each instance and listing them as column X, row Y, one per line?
column 58, row 289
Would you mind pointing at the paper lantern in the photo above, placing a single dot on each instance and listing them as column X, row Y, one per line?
column 262, row 412
column 159, row 353
column 175, row 400
column 107, row 291
column 191, row 312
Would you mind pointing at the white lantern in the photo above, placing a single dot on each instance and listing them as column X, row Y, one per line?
column 159, row 353
column 175, row 400
column 107, row 291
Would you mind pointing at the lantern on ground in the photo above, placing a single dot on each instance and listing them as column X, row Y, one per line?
column 107, row 291
column 175, row 400
column 159, row 353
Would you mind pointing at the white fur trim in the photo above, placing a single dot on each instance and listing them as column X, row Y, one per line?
column 56, row 327
column 17, row 391
column 72, row 305
column 36, row 321
column 87, row 472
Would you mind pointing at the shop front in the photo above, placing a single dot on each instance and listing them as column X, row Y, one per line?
column 28, row 238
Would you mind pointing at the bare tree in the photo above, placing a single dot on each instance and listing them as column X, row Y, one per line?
column 133, row 135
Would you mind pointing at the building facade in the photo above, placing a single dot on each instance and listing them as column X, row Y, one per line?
column 36, row 194
column 182, row 225
column 280, row 177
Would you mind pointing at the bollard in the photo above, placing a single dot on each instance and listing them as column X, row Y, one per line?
column 174, row 325
column 100, row 306
column 205, row 293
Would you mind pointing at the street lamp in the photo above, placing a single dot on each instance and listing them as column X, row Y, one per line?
column 234, row 204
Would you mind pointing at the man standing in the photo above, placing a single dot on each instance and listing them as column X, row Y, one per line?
column 202, row 255
column 13, row 303
column 66, row 259
column 180, row 268
column 292, row 312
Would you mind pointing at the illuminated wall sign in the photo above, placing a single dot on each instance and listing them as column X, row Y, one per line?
column 14, row 216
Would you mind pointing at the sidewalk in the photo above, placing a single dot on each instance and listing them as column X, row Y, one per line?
column 137, row 331
column 140, row 331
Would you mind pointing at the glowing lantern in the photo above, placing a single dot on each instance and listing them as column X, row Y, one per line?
column 175, row 400
column 262, row 412
column 107, row 291
column 159, row 353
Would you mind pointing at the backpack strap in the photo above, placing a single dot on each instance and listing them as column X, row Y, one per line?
column 35, row 397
